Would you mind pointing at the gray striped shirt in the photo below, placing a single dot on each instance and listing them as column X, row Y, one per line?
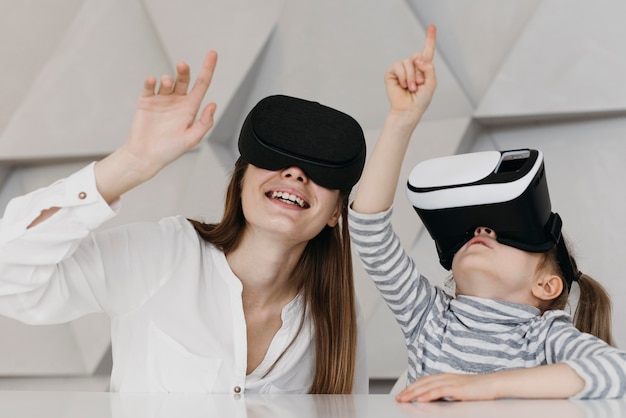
column 475, row 335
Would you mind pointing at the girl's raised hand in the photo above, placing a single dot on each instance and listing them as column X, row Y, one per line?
column 410, row 86
column 411, row 82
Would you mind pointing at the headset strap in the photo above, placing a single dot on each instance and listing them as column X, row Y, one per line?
column 553, row 227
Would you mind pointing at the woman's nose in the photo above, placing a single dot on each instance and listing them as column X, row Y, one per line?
column 296, row 173
column 483, row 230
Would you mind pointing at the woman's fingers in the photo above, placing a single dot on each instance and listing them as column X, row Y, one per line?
column 182, row 78
column 167, row 83
column 148, row 87
column 203, row 81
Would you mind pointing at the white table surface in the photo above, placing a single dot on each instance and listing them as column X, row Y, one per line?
column 63, row 404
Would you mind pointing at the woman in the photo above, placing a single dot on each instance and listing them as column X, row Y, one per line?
column 261, row 302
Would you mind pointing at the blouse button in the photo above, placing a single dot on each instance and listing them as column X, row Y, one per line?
column 82, row 195
column 237, row 389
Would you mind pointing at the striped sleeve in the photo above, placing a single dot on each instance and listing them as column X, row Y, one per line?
column 602, row 367
column 408, row 294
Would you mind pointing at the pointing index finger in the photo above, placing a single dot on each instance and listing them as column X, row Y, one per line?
column 429, row 44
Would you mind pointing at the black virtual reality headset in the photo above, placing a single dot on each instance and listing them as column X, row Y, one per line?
column 283, row 131
column 506, row 191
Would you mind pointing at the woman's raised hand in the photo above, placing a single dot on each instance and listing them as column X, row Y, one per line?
column 165, row 126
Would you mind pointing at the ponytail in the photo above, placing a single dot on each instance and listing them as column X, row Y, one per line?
column 593, row 311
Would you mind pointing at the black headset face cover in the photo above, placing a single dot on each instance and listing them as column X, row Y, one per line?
column 282, row 131
column 503, row 190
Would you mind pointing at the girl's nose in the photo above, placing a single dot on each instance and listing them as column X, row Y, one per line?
column 483, row 230
column 296, row 173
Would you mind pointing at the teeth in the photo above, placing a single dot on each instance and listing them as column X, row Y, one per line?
column 289, row 198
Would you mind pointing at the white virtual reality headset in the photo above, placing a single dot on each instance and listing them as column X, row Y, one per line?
column 506, row 191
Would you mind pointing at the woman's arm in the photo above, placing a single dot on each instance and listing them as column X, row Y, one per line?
column 164, row 127
column 45, row 263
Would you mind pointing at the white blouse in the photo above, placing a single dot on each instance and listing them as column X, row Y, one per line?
column 177, row 322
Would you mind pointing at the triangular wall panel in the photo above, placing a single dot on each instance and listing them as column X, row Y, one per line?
column 82, row 100
column 572, row 70
column 475, row 37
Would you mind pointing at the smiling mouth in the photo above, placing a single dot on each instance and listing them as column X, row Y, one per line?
column 288, row 198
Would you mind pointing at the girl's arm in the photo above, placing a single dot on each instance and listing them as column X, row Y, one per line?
column 580, row 366
column 410, row 86
column 552, row 381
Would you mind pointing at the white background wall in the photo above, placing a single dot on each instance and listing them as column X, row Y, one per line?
column 521, row 73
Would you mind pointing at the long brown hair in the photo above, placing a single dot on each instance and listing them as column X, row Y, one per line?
column 323, row 276
column 593, row 309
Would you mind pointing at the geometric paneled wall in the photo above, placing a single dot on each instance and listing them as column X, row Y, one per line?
column 522, row 73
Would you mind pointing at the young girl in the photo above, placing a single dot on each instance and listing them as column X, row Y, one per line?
column 504, row 333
